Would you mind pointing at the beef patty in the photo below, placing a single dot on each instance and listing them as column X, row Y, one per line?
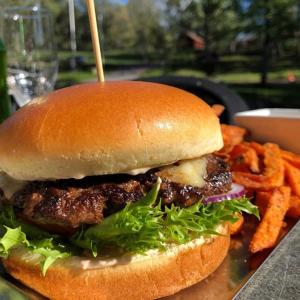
column 63, row 205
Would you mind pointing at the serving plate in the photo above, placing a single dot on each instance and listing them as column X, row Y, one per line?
column 277, row 125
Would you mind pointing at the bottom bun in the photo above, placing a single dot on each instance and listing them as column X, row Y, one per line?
column 149, row 277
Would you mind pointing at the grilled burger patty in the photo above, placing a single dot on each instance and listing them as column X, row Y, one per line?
column 63, row 205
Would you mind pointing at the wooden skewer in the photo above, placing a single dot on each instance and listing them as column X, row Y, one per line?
column 95, row 39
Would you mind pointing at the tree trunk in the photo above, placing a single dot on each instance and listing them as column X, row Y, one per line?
column 266, row 51
column 209, row 55
column 298, row 30
column 206, row 32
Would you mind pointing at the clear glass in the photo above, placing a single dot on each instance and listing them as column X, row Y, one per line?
column 31, row 52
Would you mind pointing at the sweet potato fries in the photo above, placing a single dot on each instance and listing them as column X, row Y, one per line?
column 269, row 174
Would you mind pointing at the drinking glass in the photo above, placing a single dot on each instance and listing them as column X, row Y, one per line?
column 31, row 52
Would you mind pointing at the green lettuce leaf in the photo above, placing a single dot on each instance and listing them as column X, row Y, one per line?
column 15, row 233
column 134, row 228
column 144, row 225
column 8, row 218
column 138, row 227
column 11, row 238
column 50, row 252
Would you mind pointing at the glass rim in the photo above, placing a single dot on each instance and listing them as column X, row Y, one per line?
column 25, row 12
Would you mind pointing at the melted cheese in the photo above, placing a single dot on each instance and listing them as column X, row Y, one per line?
column 9, row 185
column 190, row 172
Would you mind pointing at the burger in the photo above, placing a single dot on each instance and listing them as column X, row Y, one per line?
column 112, row 191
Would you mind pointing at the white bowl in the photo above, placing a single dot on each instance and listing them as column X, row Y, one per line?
column 277, row 125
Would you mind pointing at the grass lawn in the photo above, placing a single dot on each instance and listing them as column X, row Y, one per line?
column 67, row 78
column 278, row 93
column 234, row 69
column 272, row 95
column 239, row 72
column 86, row 68
column 250, row 77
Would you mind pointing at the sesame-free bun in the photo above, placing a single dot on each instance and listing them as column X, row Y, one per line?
column 151, row 278
column 106, row 128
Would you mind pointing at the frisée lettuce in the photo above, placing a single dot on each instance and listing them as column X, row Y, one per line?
column 140, row 226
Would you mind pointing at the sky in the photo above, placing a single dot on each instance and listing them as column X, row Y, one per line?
column 120, row 1
column 80, row 4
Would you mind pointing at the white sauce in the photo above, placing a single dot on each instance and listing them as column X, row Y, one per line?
column 103, row 262
column 191, row 172
column 137, row 171
column 99, row 263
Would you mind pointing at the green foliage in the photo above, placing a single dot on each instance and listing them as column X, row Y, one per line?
column 146, row 20
column 160, row 26
column 281, row 16
column 274, row 24
column 214, row 20
column 116, row 26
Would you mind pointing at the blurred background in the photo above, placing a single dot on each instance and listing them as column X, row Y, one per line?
column 252, row 46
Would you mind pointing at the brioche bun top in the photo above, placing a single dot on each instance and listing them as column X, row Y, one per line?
column 106, row 128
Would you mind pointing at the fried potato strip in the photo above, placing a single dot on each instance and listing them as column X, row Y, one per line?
column 294, row 209
column 293, row 177
column 262, row 201
column 268, row 229
column 259, row 149
column 243, row 158
column 237, row 226
column 273, row 175
column 232, row 135
column 292, row 158
column 218, row 109
column 274, row 168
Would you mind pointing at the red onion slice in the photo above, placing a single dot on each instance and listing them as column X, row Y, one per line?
column 236, row 191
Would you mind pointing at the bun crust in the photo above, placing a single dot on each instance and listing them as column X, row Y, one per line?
column 106, row 128
column 149, row 279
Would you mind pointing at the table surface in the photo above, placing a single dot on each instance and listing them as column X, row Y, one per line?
column 279, row 276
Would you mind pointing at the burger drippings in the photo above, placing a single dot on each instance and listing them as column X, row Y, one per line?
column 62, row 206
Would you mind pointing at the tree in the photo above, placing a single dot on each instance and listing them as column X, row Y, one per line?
column 180, row 17
column 59, row 11
column 145, row 17
column 214, row 20
column 273, row 22
column 218, row 28
column 115, row 24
